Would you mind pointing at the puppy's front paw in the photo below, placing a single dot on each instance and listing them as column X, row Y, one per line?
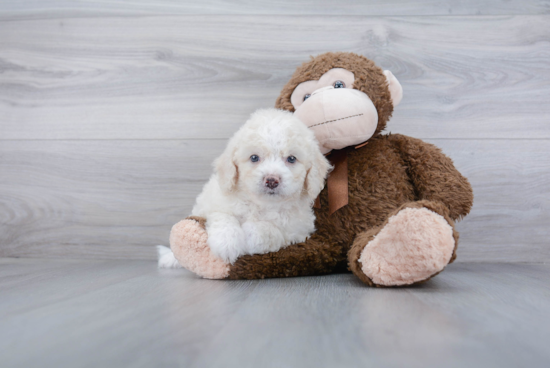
column 262, row 237
column 188, row 241
column 227, row 242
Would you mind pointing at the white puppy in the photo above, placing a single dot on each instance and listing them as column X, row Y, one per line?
column 260, row 196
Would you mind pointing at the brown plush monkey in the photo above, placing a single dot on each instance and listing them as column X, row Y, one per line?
column 388, row 210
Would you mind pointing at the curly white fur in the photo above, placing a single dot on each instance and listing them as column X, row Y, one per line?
column 243, row 214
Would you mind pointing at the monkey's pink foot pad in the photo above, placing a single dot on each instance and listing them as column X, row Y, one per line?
column 188, row 241
column 414, row 245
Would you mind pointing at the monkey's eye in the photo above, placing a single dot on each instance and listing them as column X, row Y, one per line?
column 339, row 84
column 307, row 96
column 254, row 158
column 291, row 159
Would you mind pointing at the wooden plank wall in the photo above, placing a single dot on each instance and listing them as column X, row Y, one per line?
column 111, row 112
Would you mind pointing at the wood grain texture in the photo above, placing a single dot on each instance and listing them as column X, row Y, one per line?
column 98, row 198
column 34, row 9
column 200, row 76
column 66, row 313
column 116, row 199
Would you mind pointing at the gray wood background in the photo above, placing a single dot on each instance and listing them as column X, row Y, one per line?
column 111, row 112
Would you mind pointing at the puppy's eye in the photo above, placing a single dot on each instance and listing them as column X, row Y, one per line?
column 291, row 159
column 307, row 96
column 254, row 158
column 339, row 84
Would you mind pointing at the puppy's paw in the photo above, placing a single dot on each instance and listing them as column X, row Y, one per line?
column 188, row 241
column 262, row 237
column 227, row 241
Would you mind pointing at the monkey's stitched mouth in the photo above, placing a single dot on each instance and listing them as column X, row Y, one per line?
column 332, row 121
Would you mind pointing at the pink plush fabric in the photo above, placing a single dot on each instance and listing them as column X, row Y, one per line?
column 339, row 117
column 188, row 241
column 415, row 244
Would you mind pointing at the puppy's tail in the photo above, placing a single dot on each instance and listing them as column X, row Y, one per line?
column 166, row 258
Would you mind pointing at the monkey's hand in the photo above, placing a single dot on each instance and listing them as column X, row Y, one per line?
column 189, row 243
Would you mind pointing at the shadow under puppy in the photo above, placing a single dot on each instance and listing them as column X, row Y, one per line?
column 261, row 194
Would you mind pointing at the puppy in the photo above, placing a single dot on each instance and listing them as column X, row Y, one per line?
column 260, row 196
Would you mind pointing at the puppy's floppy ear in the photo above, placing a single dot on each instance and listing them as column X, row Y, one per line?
column 227, row 170
column 316, row 175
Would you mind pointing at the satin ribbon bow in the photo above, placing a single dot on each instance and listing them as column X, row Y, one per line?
column 337, row 182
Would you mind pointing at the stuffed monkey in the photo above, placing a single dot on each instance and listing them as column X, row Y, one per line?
column 388, row 210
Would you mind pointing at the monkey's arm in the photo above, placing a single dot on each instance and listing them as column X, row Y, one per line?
column 315, row 256
column 434, row 175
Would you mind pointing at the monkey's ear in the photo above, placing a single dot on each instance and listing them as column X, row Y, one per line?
column 226, row 168
column 395, row 88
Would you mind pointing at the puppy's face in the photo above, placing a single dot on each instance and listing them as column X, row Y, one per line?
column 271, row 165
column 274, row 157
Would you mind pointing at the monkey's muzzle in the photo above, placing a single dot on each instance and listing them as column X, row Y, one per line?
column 339, row 117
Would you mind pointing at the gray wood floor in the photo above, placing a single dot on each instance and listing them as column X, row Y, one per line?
column 111, row 112
column 76, row 313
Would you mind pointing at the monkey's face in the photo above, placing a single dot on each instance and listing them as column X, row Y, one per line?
column 339, row 115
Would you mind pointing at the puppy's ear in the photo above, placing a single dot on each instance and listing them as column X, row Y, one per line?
column 227, row 170
column 316, row 175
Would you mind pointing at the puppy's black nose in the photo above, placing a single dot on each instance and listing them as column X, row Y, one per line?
column 271, row 182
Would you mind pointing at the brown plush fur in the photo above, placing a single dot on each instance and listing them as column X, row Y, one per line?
column 390, row 173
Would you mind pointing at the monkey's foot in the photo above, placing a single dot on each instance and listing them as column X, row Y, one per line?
column 414, row 245
column 188, row 241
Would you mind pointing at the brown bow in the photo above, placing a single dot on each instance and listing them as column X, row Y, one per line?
column 337, row 182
